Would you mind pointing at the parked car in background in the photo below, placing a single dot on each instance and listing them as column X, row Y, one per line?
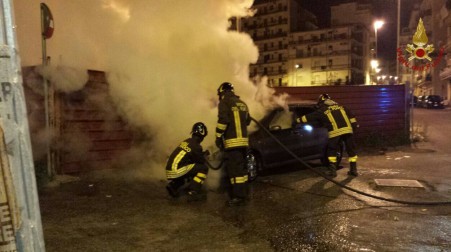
column 414, row 101
column 420, row 101
column 433, row 102
column 307, row 141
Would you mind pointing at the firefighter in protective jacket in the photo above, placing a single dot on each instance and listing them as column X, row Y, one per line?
column 232, row 137
column 341, row 124
column 187, row 164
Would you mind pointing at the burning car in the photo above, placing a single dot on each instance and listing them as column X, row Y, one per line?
column 306, row 141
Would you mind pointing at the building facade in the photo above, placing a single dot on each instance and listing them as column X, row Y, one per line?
column 334, row 56
column 294, row 52
column 270, row 28
column 436, row 19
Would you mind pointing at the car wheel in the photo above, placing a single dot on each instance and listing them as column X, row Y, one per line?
column 253, row 165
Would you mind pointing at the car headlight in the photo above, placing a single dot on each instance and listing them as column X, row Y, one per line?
column 308, row 127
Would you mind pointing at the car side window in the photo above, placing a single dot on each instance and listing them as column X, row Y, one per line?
column 282, row 119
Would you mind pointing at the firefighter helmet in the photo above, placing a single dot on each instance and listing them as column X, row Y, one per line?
column 199, row 129
column 323, row 97
column 226, row 86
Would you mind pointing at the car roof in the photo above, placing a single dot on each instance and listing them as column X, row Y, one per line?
column 301, row 103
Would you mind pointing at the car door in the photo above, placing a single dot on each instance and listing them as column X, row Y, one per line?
column 302, row 140
column 281, row 128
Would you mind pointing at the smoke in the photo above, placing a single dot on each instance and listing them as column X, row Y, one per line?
column 164, row 61
column 64, row 79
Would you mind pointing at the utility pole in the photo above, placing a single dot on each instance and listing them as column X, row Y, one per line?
column 20, row 204
column 398, row 32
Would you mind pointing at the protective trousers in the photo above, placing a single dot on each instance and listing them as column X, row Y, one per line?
column 237, row 172
column 196, row 177
column 333, row 147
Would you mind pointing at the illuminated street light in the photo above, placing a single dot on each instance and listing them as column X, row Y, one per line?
column 374, row 64
column 377, row 25
column 295, row 74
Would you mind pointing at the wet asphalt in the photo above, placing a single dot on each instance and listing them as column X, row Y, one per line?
column 295, row 209
column 290, row 209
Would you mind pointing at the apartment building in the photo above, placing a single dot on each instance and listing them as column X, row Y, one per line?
column 441, row 11
column 334, row 56
column 436, row 18
column 294, row 52
column 270, row 29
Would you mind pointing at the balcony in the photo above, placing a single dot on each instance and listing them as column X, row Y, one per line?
column 262, row 12
column 270, row 36
column 322, row 54
column 330, row 68
column 283, row 21
column 335, row 37
column 275, row 72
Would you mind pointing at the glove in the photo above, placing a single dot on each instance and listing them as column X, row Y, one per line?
column 219, row 143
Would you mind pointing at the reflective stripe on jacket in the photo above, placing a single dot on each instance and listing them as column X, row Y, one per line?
column 233, row 119
column 336, row 118
column 183, row 158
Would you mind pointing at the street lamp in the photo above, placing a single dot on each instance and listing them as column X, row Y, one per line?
column 374, row 66
column 377, row 25
column 296, row 67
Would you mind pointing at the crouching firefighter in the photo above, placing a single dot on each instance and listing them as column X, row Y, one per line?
column 232, row 138
column 186, row 164
column 341, row 124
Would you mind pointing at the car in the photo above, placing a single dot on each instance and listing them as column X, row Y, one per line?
column 420, row 101
column 433, row 101
column 306, row 141
column 414, row 101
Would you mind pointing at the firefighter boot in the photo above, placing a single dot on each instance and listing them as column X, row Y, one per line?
column 173, row 187
column 196, row 195
column 353, row 170
column 332, row 172
column 236, row 202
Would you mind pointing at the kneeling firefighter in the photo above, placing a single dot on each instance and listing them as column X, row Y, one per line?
column 341, row 124
column 187, row 164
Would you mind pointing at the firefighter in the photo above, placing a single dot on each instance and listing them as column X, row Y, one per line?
column 232, row 138
column 341, row 124
column 186, row 164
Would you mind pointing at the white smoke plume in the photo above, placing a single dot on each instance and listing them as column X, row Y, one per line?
column 63, row 78
column 164, row 61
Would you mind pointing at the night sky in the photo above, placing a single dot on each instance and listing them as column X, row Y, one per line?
column 383, row 9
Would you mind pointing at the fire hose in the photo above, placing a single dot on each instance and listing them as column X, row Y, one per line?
column 334, row 181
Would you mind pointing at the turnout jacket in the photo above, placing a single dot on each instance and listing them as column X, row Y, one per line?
column 338, row 119
column 183, row 158
column 233, row 119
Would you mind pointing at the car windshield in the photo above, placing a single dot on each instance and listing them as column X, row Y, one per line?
column 282, row 119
